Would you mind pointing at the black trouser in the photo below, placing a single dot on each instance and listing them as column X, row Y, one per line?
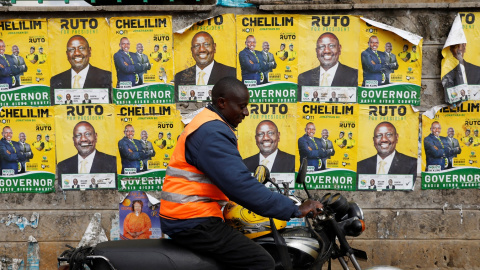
column 226, row 245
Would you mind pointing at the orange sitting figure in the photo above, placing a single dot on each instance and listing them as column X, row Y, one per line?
column 137, row 224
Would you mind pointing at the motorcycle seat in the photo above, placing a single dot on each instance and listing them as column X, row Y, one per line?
column 148, row 254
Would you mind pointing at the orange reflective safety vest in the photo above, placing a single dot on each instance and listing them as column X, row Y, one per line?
column 187, row 193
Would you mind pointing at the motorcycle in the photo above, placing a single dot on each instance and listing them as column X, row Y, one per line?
column 322, row 240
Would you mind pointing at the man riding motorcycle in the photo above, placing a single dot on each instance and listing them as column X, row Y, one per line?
column 206, row 171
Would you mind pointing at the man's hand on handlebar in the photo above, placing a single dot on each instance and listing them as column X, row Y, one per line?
column 315, row 207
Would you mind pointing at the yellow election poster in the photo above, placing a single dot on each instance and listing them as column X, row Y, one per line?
column 145, row 136
column 388, row 147
column 450, row 142
column 328, row 66
column 327, row 136
column 79, row 52
column 142, row 59
column 85, row 149
column 267, row 47
column 461, row 67
column 390, row 65
column 25, row 65
column 27, row 150
column 204, row 54
column 265, row 138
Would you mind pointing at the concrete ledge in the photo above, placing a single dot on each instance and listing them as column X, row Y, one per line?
column 316, row 5
column 125, row 8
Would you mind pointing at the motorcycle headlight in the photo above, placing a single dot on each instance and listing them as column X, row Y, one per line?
column 339, row 205
column 354, row 227
column 355, row 211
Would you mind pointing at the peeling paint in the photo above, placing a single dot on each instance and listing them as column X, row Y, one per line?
column 444, row 206
column 115, row 231
column 461, row 215
column 94, row 233
column 33, row 254
column 7, row 263
column 21, row 221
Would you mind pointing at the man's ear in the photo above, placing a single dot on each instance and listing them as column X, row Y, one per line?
column 221, row 103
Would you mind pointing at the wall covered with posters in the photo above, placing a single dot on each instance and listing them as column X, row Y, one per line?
column 345, row 112
column 130, row 62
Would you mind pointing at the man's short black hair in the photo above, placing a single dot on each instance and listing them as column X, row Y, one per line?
column 224, row 86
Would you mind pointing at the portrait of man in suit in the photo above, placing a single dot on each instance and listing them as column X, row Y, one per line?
column 75, row 184
column 267, row 138
column 315, row 96
column 333, row 98
column 387, row 160
column 206, row 71
column 8, row 69
column 454, row 146
column 68, row 99
column 373, row 64
column 81, row 74
column 390, row 185
column 88, row 159
column 251, row 62
column 269, row 61
column 209, row 97
column 26, row 150
column 131, row 151
column 93, row 183
column 310, row 147
column 20, row 63
column 327, row 145
column 192, row 95
column 126, row 64
column 148, row 146
column 143, row 60
column 464, row 72
column 436, row 149
column 391, row 63
column 330, row 72
column 86, row 99
column 372, row 184
column 463, row 95
column 11, row 156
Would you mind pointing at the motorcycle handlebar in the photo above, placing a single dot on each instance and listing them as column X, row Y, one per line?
column 310, row 214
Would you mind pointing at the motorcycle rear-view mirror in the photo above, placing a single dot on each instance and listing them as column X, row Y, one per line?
column 262, row 174
column 302, row 172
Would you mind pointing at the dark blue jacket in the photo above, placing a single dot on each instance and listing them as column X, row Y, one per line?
column 212, row 148
column 436, row 151
column 373, row 66
column 131, row 155
column 317, row 151
column 251, row 64
column 126, row 72
column 8, row 71
column 10, row 155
